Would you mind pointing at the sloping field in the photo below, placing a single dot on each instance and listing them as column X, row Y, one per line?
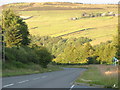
column 54, row 19
column 58, row 23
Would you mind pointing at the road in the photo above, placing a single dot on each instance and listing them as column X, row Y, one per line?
column 57, row 79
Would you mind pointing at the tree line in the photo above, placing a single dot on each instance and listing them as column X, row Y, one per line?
column 21, row 47
column 16, row 42
column 78, row 50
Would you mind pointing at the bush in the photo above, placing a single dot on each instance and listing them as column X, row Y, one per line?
column 26, row 55
column 10, row 54
column 31, row 55
column 44, row 56
column 13, row 65
column 16, row 54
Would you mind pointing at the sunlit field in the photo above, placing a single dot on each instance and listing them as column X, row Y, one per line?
column 54, row 19
column 57, row 23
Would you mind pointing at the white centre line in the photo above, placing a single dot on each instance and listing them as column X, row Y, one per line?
column 8, row 85
column 43, row 76
column 36, row 78
column 23, row 81
column 72, row 87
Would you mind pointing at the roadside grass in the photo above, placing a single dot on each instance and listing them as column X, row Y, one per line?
column 106, row 75
column 34, row 69
column 28, row 69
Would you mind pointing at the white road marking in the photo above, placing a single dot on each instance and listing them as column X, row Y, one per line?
column 36, row 78
column 72, row 87
column 23, row 81
column 8, row 85
column 43, row 76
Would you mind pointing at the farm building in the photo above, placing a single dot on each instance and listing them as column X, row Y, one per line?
column 103, row 14
column 26, row 17
column 74, row 18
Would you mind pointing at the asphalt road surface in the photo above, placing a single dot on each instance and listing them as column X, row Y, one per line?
column 57, row 79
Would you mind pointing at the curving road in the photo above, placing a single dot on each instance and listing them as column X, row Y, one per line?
column 57, row 79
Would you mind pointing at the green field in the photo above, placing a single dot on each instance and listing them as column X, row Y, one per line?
column 54, row 19
column 56, row 23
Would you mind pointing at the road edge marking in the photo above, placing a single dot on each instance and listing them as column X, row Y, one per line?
column 72, row 87
column 36, row 78
column 43, row 76
column 23, row 81
column 8, row 85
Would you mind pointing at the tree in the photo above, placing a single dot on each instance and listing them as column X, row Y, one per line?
column 14, row 28
column 73, row 54
column 89, row 53
column 116, row 42
column 105, row 53
column 44, row 57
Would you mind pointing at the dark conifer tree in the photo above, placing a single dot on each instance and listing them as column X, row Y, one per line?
column 14, row 28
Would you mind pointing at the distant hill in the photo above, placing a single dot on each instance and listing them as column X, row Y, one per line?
column 56, row 6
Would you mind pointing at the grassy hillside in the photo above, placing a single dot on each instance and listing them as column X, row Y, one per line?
column 59, row 6
column 54, row 19
column 57, row 23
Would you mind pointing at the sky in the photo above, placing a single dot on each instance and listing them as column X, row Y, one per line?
column 2, row 2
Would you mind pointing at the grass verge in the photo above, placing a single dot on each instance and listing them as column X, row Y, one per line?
column 106, row 75
column 28, row 69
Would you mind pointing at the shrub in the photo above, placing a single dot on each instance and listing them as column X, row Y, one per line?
column 44, row 56
column 13, row 65
column 26, row 55
column 10, row 54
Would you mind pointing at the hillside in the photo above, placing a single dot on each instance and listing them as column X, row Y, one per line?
column 46, row 37
column 58, row 6
column 54, row 19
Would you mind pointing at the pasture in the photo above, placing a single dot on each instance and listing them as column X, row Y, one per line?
column 56, row 23
column 54, row 19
